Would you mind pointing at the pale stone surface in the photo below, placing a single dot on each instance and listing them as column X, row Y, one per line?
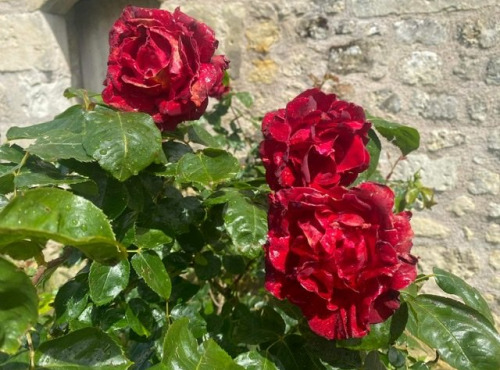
column 464, row 263
column 262, row 37
column 494, row 140
column 421, row 67
column 468, row 233
column 444, row 138
column 493, row 71
column 494, row 259
column 494, row 210
column 439, row 174
column 424, row 31
column 28, row 41
column 467, row 67
column 477, row 108
column 484, row 182
column 493, row 234
column 434, row 106
column 350, row 58
column 376, row 8
column 478, row 33
column 462, row 205
column 429, row 228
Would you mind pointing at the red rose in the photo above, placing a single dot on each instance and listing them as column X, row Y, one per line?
column 316, row 141
column 340, row 255
column 162, row 64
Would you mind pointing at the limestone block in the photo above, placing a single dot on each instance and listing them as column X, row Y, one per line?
column 377, row 8
column 464, row 263
column 429, row 228
column 494, row 260
column 351, row 58
column 421, row 68
column 493, row 71
column 262, row 36
column 494, row 210
column 434, row 106
column 424, row 31
column 444, row 138
column 493, row 234
column 28, row 41
column 494, row 140
column 478, row 33
column 477, row 108
column 484, row 182
column 439, row 174
column 264, row 71
column 315, row 28
column 462, row 205
column 19, row 6
column 467, row 68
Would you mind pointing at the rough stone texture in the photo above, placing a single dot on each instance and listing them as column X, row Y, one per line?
column 423, row 31
column 434, row 65
column 462, row 205
column 493, row 234
column 444, row 138
column 434, row 106
column 421, row 67
column 484, row 182
column 440, row 174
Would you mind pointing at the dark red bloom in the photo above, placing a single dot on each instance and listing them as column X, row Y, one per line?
column 316, row 141
column 341, row 255
column 163, row 64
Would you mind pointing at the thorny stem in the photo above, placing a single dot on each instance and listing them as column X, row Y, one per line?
column 49, row 265
column 401, row 157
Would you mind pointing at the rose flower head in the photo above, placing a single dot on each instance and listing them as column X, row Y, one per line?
column 317, row 140
column 163, row 64
column 341, row 255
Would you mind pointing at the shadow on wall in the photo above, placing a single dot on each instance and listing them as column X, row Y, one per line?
column 85, row 39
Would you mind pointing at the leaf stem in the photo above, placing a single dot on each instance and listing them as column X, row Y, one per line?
column 29, row 340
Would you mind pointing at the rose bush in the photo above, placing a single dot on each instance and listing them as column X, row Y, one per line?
column 161, row 263
column 163, row 64
column 317, row 140
column 340, row 255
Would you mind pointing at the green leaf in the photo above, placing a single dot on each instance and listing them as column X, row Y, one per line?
column 137, row 310
column 452, row 284
column 122, row 143
column 151, row 238
column 71, row 299
column 246, row 224
column 406, row 138
column 18, row 306
column 60, row 138
column 180, row 351
column 254, row 361
column 82, row 349
column 198, row 134
column 245, row 98
column 11, row 153
column 197, row 324
column 148, row 265
column 207, row 167
column 257, row 327
column 374, row 148
column 106, row 282
column 465, row 339
column 207, row 265
column 46, row 213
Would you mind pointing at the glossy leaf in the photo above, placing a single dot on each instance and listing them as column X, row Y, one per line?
column 122, row 143
column 18, row 306
column 82, row 349
column 246, row 224
column 148, row 265
column 257, row 327
column 207, row 167
column 406, row 138
column 198, row 134
column 374, row 148
column 254, row 361
column 452, row 284
column 106, row 281
column 207, row 265
column 71, row 299
column 245, row 98
column 180, row 351
column 46, row 213
column 151, row 238
column 465, row 339
column 60, row 138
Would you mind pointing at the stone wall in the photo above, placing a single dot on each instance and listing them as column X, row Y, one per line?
column 434, row 65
